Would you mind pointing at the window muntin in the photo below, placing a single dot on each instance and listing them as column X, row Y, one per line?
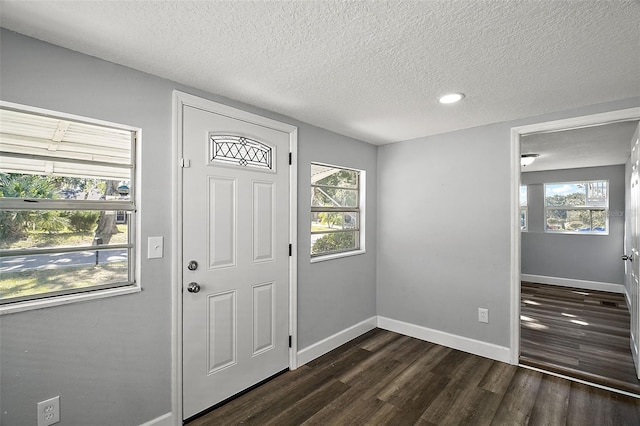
column 335, row 210
column 524, row 209
column 577, row 207
column 240, row 151
column 63, row 183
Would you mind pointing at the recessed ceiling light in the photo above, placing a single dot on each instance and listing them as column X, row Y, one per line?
column 451, row 98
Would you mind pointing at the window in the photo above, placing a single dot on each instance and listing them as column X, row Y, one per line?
column 67, row 205
column 524, row 209
column 336, row 216
column 577, row 207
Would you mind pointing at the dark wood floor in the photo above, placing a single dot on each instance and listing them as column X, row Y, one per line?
column 383, row 378
column 579, row 333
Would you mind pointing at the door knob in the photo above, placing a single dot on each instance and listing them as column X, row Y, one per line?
column 193, row 287
column 627, row 257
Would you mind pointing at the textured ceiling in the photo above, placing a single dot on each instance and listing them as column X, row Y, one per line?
column 370, row 70
column 588, row 147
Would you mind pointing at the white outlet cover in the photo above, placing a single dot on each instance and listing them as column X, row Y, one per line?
column 155, row 247
column 49, row 411
column 483, row 315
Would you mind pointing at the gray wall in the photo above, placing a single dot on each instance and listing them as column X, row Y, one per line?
column 338, row 293
column 575, row 256
column 444, row 227
column 109, row 359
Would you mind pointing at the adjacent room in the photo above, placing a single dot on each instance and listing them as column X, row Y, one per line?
column 289, row 212
column 574, row 201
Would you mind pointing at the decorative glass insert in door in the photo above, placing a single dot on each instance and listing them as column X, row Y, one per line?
column 240, row 151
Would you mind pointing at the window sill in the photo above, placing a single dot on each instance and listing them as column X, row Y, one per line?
column 575, row 233
column 337, row 256
column 30, row 305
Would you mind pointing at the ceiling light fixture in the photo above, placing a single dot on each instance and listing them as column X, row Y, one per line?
column 527, row 159
column 451, row 98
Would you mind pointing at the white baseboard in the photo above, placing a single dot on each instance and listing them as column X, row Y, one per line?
column 330, row 343
column 164, row 420
column 465, row 344
column 568, row 282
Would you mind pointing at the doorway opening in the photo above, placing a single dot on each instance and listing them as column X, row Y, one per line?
column 539, row 215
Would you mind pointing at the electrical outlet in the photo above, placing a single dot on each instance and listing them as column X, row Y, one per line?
column 483, row 315
column 49, row 411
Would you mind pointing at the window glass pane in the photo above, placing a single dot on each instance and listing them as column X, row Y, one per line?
column 334, row 197
column 33, row 275
column 523, row 195
column 51, row 187
column 333, row 176
column 598, row 221
column 597, row 194
column 576, row 220
column 565, row 194
column 523, row 218
column 25, row 229
column 334, row 221
column 334, row 242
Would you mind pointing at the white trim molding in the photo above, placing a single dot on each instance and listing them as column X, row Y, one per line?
column 164, row 420
column 569, row 282
column 324, row 346
column 465, row 344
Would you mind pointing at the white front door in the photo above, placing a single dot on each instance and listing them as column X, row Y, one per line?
column 632, row 248
column 235, row 249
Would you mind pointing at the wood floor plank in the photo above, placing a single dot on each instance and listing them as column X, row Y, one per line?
column 461, row 390
column 498, row 377
column 517, row 404
column 387, row 415
column 478, row 409
column 412, row 399
column 304, row 408
column 552, row 402
column 421, row 366
column 348, row 408
column 588, row 406
column 626, row 410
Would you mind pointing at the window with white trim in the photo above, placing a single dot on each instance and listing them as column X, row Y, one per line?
column 336, row 215
column 67, row 205
column 577, row 207
column 524, row 208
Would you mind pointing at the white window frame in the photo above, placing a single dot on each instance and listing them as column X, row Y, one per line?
column 586, row 207
column 524, row 208
column 132, row 206
column 361, row 209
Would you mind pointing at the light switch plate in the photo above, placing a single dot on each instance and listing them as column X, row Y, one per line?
column 155, row 247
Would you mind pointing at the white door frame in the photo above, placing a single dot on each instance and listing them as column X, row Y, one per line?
column 180, row 100
column 516, row 132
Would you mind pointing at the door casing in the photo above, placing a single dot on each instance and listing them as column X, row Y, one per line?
column 180, row 99
column 628, row 114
